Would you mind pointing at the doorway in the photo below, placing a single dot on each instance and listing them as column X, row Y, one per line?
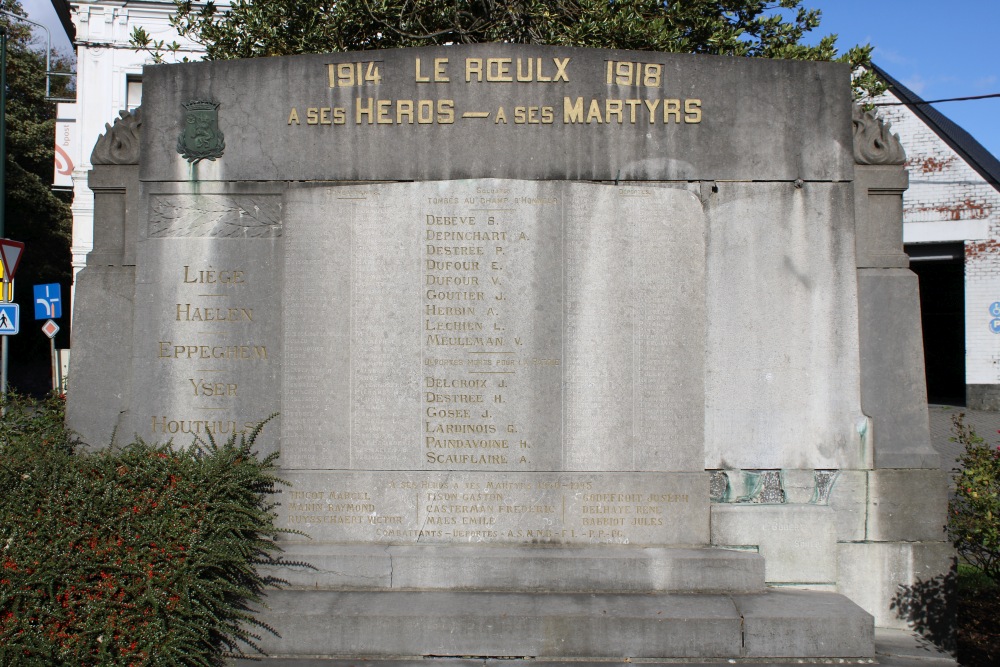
column 940, row 268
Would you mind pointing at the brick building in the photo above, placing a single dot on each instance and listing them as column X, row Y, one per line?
column 951, row 227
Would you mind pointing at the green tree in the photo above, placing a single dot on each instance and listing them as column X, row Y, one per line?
column 35, row 215
column 753, row 28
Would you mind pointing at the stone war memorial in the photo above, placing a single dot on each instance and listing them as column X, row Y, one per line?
column 578, row 353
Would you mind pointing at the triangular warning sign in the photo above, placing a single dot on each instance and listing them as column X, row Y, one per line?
column 10, row 254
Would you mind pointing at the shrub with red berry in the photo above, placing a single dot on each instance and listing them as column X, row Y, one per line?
column 139, row 555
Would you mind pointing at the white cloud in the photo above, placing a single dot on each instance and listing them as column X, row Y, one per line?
column 986, row 82
column 916, row 83
column 880, row 55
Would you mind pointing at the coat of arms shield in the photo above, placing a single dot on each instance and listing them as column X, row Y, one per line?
column 201, row 138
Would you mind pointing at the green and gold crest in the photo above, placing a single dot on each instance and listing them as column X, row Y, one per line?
column 201, row 138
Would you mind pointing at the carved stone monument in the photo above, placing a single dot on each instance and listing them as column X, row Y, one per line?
column 558, row 338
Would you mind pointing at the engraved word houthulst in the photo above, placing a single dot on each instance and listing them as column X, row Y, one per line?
column 545, row 327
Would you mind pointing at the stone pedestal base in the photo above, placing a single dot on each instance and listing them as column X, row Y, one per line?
column 552, row 603
column 381, row 624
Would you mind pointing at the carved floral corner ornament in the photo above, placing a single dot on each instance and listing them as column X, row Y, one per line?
column 873, row 142
column 120, row 142
column 201, row 138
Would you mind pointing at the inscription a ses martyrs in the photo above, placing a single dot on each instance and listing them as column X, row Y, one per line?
column 641, row 102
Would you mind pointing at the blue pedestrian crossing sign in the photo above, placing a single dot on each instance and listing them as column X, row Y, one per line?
column 48, row 301
column 10, row 323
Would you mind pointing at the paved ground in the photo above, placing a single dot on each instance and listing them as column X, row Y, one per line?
column 893, row 648
column 986, row 425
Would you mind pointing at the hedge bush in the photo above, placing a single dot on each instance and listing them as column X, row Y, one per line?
column 974, row 512
column 141, row 555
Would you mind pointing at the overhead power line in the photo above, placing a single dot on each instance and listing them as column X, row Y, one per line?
column 946, row 99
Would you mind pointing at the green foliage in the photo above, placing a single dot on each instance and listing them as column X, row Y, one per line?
column 35, row 215
column 974, row 514
column 134, row 556
column 754, row 28
column 972, row 581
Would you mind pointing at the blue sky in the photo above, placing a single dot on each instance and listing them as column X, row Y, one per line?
column 937, row 49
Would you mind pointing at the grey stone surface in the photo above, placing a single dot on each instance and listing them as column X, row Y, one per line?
column 799, row 486
column 807, row 624
column 893, row 648
column 369, row 625
column 208, row 334
column 103, row 310
column 502, row 624
column 893, row 387
column 798, row 542
column 473, row 507
column 885, row 577
column 849, row 502
column 901, row 645
column 878, row 215
column 782, row 354
column 984, row 422
column 982, row 397
column 729, row 229
column 529, row 326
column 789, row 119
column 102, row 346
column 524, row 568
column 907, row 505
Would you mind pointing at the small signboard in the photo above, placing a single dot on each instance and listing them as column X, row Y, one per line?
column 10, row 322
column 10, row 255
column 66, row 146
column 50, row 329
column 48, row 301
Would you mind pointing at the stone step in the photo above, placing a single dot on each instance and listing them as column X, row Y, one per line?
column 623, row 569
column 384, row 624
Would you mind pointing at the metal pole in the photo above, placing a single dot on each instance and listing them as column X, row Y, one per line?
column 3, row 126
column 55, row 363
column 3, row 188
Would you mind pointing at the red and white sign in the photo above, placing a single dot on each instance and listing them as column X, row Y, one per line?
column 65, row 146
column 50, row 329
column 10, row 255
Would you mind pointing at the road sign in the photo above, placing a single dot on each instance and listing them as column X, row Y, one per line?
column 10, row 323
column 50, row 329
column 995, row 309
column 48, row 301
column 10, row 255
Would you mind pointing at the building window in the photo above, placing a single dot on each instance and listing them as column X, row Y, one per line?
column 133, row 91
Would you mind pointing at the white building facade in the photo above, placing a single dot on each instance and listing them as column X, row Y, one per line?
column 109, row 79
column 951, row 228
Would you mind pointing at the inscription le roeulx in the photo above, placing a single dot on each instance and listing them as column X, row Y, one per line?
column 645, row 105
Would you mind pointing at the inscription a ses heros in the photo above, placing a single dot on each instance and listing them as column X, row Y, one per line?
column 646, row 108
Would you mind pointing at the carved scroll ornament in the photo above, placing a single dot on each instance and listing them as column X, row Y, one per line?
column 120, row 142
column 873, row 143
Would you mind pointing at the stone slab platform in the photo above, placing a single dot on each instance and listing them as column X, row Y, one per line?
column 893, row 648
column 383, row 624
column 512, row 568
